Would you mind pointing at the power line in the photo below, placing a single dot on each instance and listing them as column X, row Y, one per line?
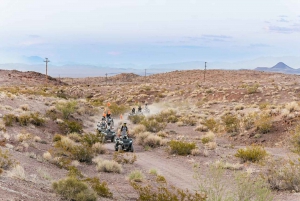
column 205, row 71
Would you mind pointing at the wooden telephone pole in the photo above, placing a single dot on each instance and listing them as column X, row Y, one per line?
column 47, row 61
column 106, row 78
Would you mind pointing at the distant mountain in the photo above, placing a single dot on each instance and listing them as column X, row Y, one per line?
column 279, row 68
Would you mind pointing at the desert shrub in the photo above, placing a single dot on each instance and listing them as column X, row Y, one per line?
column 72, row 188
column 35, row 119
column 152, row 141
column 188, row 121
column 117, row 109
column 5, row 160
column 231, row 123
column 71, row 127
column 162, row 134
column 253, row 153
column 52, row 114
column 75, row 137
column 17, row 172
column 98, row 148
column 89, row 139
column 295, row 140
column 226, row 165
column 100, row 188
column 152, row 125
column 211, row 124
column 161, row 179
column 66, row 144
column 263, row 123
column 167, row 116
column 108, row 166
column 23, row 119
column 208, row 137
column 124, row 158
column 74, row 172
column 252, row 89
column 201, row 128
column 284, row 175
column 57, row 137
column 136, row 176
column 136, row 119
column 164, row 192
column 292, row 106
column 153, row 171
column 181, row 148
column 139, row 129
column 249, row 121
column 196, row 152
column 9, row 119
column 82, row 153
column 66, row 108
column 243, row 186
column 24, row 107
column 263, row 105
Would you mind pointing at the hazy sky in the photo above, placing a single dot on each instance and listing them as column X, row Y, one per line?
column 148, row 31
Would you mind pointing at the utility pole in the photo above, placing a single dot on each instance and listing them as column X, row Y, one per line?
column 145, row 72
column 106, row 78
column 47, row 61
column 205, row 71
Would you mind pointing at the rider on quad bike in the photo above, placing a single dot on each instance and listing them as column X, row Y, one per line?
column 133, row 111
column 108, row 114
column 124, row 130
column 139, row 109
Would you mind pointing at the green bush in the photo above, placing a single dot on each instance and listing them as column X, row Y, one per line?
column 66, row 108
column 253, row 153
column 100, row 188
column 295, row 140
column 181, row 148
column 167, row 116
column 263, row 123
column 89, row 139
column 72, row 127
column 56, row 138
column 82, row 153
column 73, row 189
column 23, row 119
column 117, row 110
column 136, row 176
column 211, row 124
column 35, row 119
column 252, row 89
column 9, row 119
column 5, row 160
column 232, row 123
column 152, row 125
column 136, row 119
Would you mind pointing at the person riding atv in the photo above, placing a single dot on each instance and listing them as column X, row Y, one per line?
column 133, row 111
column 139, row 109
column 124, row 130
column 108, row 114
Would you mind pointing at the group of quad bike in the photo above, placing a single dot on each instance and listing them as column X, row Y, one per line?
column 121, row 139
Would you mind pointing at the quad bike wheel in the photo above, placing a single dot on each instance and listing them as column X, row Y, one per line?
column 112, row 139
column 131, row 148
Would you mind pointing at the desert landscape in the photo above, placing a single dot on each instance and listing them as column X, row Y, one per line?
column 233, row 137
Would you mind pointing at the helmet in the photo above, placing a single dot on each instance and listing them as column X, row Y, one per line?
column 124, row 123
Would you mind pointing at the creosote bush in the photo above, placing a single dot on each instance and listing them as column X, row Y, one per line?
column 136, row 176
column 211, row 124
column 231, row 123
column 5, row 160
column 107, row 165
column 66, row 108
column 181, row 148
column 295, row 140
column 252, row 153
column 117, row 110
column 263, row 123
column 136, row 119
column 9, row 119
column 101, row 188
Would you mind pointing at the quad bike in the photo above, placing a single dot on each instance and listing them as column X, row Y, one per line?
column 146, row 110
column 101, row 126
column 109, row 135
column 124, row 143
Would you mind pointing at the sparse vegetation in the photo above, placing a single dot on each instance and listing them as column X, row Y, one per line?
column 66, row 108
column 253, row 153
column 136, row 176
column 181, row 148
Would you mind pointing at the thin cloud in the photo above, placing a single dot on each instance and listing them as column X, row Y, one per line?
column 283, row 20
column 114, row 53
column 258, row 45
column 284, row 30
column 282, row 16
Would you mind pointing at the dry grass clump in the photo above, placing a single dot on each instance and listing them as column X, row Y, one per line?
column 284, row 175
column 124, row 158
column 295, row 140
column 136, row 119
column 249, row 120
column 292, row 106
column 226, row 165
column 153, row 171
column 252, row 153
column 188, row 121
column 37, row 139
column 98, row 148
column 47, row 156
column 149, row 139
column 211, row 124
column 23, row 137
column 196, row 152
column 239, row 107
column 263, row 123
column 136, row 176
column 107, row 166
column 138, row 129
column 231, row 122
column 211, row 145
column 5, row 160
column 152, row 125
column 24, row 107
column 201, row 128
column 208, row 137
column 17, row 172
